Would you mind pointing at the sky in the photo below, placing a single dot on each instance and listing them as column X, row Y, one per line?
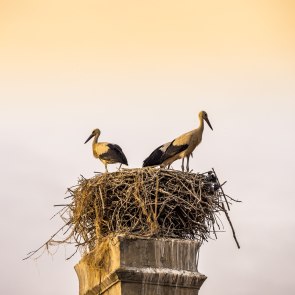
column 141, row 71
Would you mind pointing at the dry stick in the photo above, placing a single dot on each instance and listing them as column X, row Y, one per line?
column 101, row 198
column 58, row 212
column 238, row 201
column 70, row 226
column 223, row 183
column 156, row 199
column 221, row 189
column 232, row 228
column 30, row 254
column 67, row 197
column 68, row 258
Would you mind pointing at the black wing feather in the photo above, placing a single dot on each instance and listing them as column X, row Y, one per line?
column 173, row 150
column 115, row 154
column 154, row 158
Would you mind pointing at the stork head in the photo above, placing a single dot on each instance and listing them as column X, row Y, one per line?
column 204, row 116
column 95, row 132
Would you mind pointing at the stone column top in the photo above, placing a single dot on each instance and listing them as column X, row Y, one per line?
column 139, row 262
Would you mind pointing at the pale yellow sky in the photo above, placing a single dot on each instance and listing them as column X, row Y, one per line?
column 106, row 31
column 121, row 42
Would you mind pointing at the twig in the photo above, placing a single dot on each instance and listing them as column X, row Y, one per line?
column 30, row 254
column 232, row 228
column 221, row 189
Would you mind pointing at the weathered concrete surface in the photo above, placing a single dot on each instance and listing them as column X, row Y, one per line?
column 133, row 266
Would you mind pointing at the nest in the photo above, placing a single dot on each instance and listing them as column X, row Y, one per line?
column 145, row 202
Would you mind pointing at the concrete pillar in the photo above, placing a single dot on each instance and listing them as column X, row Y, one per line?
column 134, row 266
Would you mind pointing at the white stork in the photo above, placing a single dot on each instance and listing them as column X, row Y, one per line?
column 108, row 153
column 181, row 147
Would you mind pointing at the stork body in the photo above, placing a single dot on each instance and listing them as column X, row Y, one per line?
column 183, row 146
column 108, row 153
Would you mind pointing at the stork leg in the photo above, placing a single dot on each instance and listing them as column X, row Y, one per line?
column 120, row 166
column 187, row 163
column 106, row 166
column 182, row 165
column 169, row 166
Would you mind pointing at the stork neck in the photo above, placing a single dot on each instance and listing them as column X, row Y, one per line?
column 95, row 139
column 201, row 126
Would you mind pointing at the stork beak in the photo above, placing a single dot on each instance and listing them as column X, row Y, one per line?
column 89, row 138
column 208, row 122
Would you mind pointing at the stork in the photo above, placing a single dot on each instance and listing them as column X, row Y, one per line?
column 180, row 148
column 184, row 145
column 108, row 153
